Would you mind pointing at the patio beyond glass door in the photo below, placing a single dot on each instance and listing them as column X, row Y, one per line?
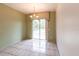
column 42, row 29
column 35, row 29
column 39, row 29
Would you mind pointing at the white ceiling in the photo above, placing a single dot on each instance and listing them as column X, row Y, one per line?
column 29, row 7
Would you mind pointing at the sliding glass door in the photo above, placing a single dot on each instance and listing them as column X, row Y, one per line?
column 42, row 29
column 39, row 29
column 39, row 35
column 35, row 29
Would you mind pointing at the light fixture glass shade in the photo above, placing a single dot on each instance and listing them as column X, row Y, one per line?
column 37, row 16
column 34, row 16
column 30, row 16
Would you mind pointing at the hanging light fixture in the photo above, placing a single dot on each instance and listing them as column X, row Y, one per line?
column 34, row 16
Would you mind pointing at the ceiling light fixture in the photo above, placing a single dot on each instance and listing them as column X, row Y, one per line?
column 34, row 16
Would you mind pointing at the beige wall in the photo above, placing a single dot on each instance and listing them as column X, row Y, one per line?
column 59, row 29
column 68, row 29
column 29, row 27
column 11, row 26
column 51, row 25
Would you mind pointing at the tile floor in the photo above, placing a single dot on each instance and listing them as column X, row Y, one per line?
column 31, row 47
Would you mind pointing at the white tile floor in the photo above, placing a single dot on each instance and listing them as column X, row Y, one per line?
column 31, row 48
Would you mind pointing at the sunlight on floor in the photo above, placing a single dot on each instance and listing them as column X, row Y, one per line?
column 39, row 45
column 31, row 47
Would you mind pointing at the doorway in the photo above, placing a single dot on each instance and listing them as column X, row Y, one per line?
column 39, row 29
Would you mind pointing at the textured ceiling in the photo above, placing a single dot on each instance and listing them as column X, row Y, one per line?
column 28, row 8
